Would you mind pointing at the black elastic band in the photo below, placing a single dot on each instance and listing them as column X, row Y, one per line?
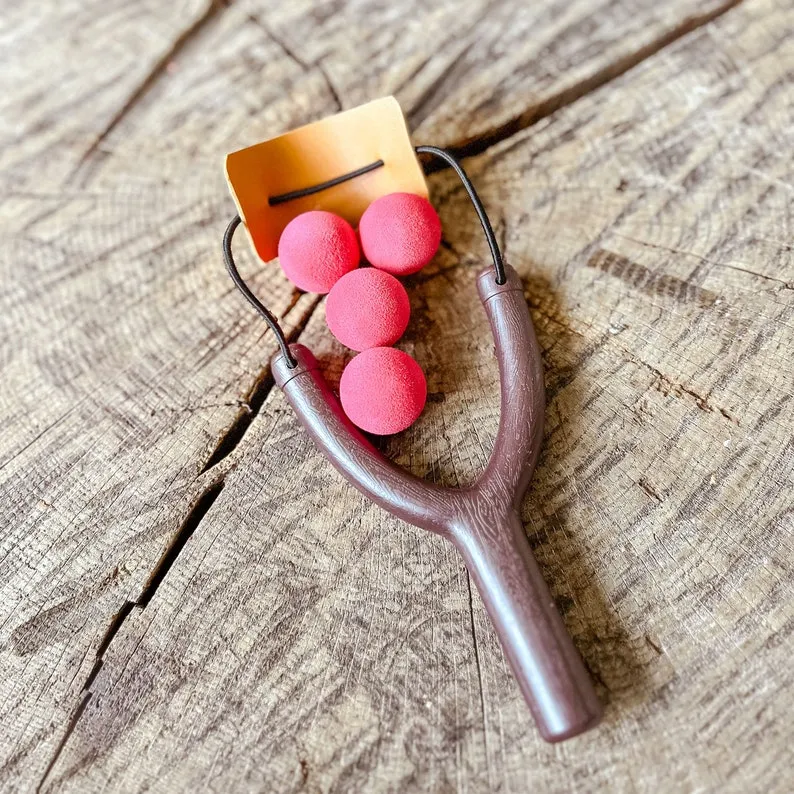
column 308, row 191
column 249, row 296
column 443, row 154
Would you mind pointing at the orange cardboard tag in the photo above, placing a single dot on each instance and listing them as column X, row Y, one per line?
column 318, row 153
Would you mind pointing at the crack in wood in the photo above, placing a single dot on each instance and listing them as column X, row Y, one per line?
column 234, row 434
column 192, row 521
column 214, row 7
column 254, row 400
column 649, row 489
column 667, row 386
column 656, row 647
column 479, row 671
column 280, row 42
column 479, row 143
column 292, row 54
column 196, row 515
column 78, row 712
column 789, row 285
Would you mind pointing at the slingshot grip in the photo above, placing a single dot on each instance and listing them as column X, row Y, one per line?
column 545, row 663
column 481, row 520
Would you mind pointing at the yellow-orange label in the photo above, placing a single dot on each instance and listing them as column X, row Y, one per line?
column 317, row 153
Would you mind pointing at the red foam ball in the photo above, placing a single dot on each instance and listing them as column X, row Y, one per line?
column 367, row 308
column 400, row 233
column 316, row 249
column 383, row 390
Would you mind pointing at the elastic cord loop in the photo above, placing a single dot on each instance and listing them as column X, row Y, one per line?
column 249, row 296
column 443, row 154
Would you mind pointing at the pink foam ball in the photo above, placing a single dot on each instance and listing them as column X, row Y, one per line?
column 400, row 233
column 383, row 390
column 367, row 308
column 316, row 249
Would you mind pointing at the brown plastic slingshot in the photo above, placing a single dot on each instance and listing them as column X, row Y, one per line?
column 481, row 520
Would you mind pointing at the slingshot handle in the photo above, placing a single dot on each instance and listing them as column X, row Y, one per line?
column 547, row 666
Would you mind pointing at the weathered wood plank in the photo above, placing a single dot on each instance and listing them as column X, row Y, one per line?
column 472, row 73
column 105, row 432
column 69, row 70
column 303, row 640
column 466, row 74
column 126, row 356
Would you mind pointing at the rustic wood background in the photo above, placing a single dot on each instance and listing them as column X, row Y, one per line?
column 191, row 599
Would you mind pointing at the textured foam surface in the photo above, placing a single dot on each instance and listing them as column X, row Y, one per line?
column 316, row 249
column 367, row 308
column 400, row 233
column 383, row 390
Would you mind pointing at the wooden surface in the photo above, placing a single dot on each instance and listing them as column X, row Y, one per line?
column 192, row 599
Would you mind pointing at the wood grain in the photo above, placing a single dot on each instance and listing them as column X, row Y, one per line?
column 314, row 643
column 70, row 69
column 466, row 74
column 303, row 640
